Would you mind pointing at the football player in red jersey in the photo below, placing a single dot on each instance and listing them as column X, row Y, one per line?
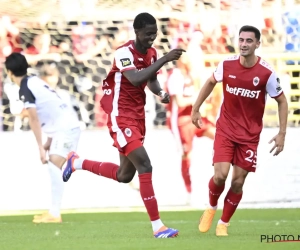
column 247, row 79
column 135, row 66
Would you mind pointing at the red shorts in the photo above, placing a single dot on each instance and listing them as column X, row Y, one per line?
column 188, row 131
column 241, row 155
column 128, row 133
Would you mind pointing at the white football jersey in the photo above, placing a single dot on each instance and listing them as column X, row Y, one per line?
column 53, row 112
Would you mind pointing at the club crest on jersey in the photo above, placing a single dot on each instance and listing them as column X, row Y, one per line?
column 128, row 132
column 125, row 62
column 255, row 81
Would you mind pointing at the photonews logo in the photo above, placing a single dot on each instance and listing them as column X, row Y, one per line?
column 273, row 238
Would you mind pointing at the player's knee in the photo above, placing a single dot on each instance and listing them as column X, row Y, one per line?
column 144, row 167
column 237, row 185
column 220, row 178
column 125, row 177
column 186, row 155
column 57, row 160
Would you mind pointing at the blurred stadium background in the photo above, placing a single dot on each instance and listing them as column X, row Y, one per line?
column 71, row 42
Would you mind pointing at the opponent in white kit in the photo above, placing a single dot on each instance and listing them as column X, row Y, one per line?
column 49, row 114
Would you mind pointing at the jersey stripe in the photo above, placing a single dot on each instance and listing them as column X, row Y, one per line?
column 117, row 88
column 115, row 110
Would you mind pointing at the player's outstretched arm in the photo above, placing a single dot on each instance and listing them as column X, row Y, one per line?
column 37, row 131
column 139, row 77
column 283, row 115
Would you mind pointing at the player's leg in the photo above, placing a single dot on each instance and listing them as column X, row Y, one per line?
column 104, row 169
column 127, row 138
column 222, row 159
column 126, row 171
column 244, row 162
column 136, row 159
column 186, row 135
column 61, row 144
column 142, row 163
column 210, row 132
column 123, row 173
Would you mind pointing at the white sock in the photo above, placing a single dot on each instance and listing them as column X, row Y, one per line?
column 221, row 222
column 214, row 208
column 57, row 189
column 156, row 225
column 78, row 163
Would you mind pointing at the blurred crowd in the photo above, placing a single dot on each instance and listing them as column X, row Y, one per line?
column 75, row 56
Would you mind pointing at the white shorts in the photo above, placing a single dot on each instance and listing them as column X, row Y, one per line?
column 63, row 142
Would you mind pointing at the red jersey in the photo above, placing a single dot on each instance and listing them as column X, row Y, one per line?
column 120, row 97
column 178, row 84
column 245, row 91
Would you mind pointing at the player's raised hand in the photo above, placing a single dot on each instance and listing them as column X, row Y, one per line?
column 279, row 143
column 174, row 54
column 196, row 119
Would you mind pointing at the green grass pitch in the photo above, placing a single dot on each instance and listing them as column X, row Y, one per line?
column 132, row 231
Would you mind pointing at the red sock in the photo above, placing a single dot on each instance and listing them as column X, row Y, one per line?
column 231, row 202
column 214, row 192
column 105, row 169
column 148, row 196
column 185, row 171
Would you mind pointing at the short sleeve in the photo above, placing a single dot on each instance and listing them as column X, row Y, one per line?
column 124, row 59
column 175, row 83
column 26, row 96
column 273, row 86
column 218, row 74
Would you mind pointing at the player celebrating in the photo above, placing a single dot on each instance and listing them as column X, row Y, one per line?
column 135, row 65
column 47, row 113
column 181, row 89
column 246, row 79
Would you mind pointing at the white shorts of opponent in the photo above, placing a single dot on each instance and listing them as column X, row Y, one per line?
column 65, row 141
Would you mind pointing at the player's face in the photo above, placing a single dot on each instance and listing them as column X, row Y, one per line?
column 146, row 36
column 52, row 80
column 248, row 43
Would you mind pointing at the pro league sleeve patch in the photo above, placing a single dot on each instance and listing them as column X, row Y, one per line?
column 125, row 62
column 278, row 88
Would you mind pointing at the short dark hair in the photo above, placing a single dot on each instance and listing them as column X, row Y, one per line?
column 17, row 64
column 249, row 28
column 143, row 19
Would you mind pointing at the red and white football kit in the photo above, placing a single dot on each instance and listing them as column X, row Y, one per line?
column 179, row 118
column 123, row 102
column 241, row 116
